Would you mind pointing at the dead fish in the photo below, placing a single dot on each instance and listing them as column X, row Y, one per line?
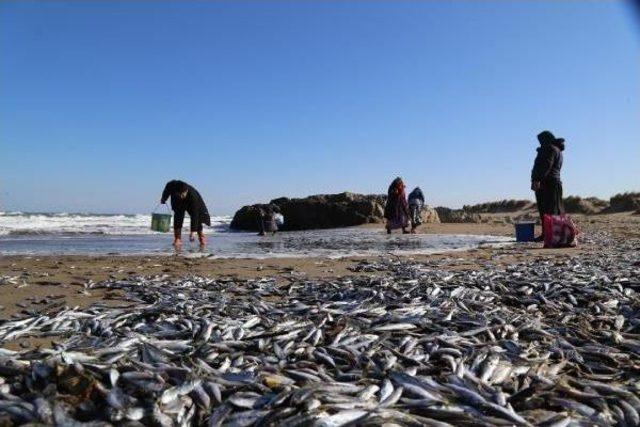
column 550, row 342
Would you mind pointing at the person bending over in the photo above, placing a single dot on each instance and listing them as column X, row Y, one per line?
column 185, row 198
column 545, row 176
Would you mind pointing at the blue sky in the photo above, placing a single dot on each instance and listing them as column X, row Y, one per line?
column 102, row 102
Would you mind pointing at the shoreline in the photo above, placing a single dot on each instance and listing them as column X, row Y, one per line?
column 55, row 282
column 168, row 314
column 368, row 240
column 27, row 282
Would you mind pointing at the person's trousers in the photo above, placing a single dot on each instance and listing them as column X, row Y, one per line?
column 549, row 198
column 415, row 211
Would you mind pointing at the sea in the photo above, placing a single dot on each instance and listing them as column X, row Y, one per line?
column 24, row 233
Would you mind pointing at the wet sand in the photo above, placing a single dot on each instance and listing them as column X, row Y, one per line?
column 42, row 283
column 63, row 278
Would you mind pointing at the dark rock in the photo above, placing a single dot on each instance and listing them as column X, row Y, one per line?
column 322, row 211
column 246, row 219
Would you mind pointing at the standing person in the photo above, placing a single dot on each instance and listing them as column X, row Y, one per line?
column 416, row 203
column 396, row 211
column 545, row 176
column 267, row 219
column 185, row 198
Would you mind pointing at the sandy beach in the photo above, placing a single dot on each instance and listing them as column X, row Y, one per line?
column 208, row 214
column 65, row 277
column 510, row 304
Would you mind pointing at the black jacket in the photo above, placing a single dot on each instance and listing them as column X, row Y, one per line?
column 193, row 204
column 416, row 194
column 548, row 162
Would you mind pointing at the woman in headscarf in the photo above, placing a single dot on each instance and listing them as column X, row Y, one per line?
column 396, row 210
column 545, row 176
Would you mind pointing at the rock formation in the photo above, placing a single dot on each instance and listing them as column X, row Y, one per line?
column 448, row 215
column 323, row 211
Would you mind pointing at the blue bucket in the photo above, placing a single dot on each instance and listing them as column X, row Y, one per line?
column 524, row 231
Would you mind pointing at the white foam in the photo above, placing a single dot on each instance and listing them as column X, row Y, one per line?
column 18, row 223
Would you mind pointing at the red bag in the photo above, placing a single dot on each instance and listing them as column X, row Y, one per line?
column 559, row 231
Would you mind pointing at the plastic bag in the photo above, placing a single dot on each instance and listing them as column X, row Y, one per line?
column 559, row 231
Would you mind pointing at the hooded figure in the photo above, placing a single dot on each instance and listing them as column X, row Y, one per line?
column 396, row 211
column 267, row 218
column 416, row 203
column 545, row 176
column 185, row 198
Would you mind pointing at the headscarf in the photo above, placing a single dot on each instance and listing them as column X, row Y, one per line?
column 396, row 189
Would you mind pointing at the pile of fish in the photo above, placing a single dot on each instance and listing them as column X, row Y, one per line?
column 546, row 343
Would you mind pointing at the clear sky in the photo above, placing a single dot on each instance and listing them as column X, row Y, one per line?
column 102, row 102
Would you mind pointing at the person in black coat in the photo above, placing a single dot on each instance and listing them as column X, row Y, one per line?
column 545, row 176
column 185, row 198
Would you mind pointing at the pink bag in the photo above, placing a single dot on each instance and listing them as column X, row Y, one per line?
column 559, row 231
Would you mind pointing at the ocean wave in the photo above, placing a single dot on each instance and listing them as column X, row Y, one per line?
column 28, row 232
column 67, row 214
column 39, row 224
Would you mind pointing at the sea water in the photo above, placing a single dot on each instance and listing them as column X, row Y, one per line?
column 88, row 234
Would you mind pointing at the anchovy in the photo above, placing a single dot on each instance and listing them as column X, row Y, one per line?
column 553, row 341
